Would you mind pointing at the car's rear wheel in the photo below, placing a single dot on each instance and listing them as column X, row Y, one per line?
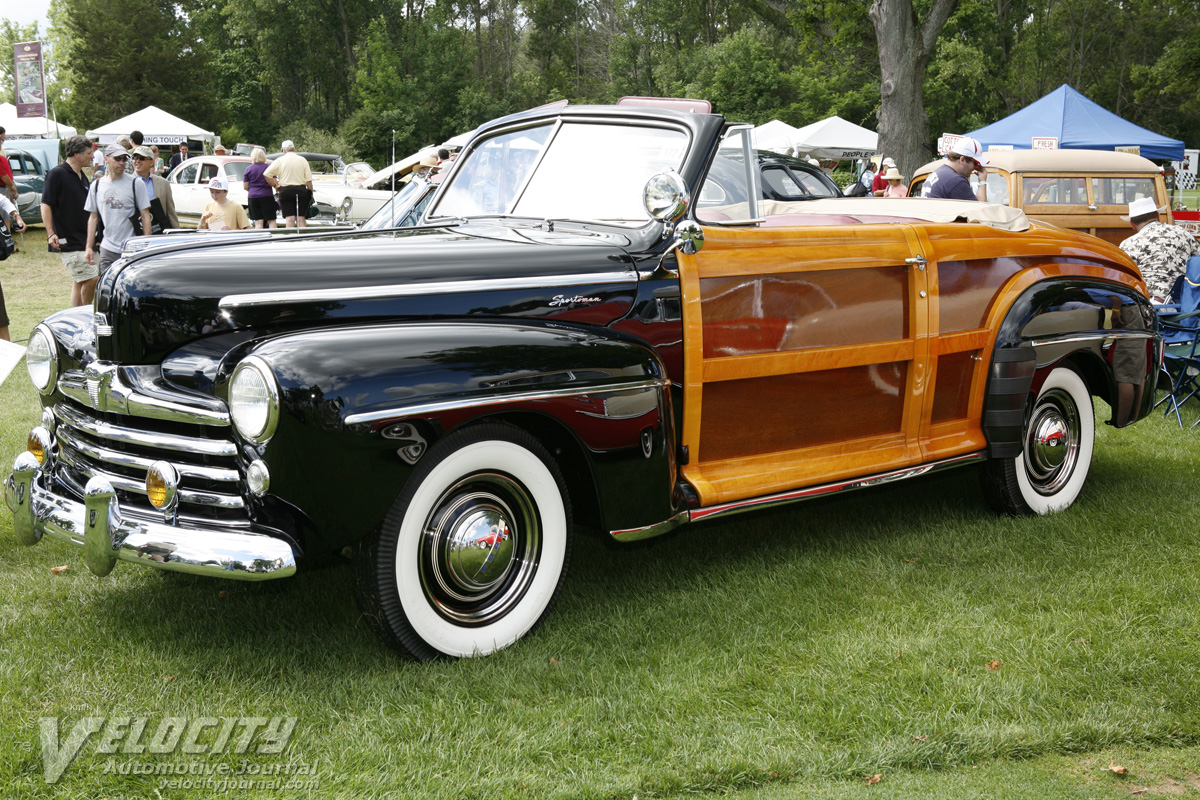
column 1056, row 451
column 427, row 586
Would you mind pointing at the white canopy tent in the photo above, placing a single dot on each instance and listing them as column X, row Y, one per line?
column 31, row 127
column 775, row 135
column 157, row 126
column 835, row 139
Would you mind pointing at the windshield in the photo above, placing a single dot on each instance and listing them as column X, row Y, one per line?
column 586, row 171
column 358, row 172
column 236, row 170
column 394, row 210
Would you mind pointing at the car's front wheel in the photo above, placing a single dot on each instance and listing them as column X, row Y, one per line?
column 428, row 582
column 1056, row 451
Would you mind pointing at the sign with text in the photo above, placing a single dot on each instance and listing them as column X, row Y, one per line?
column 1135, row 149
column 1044, row 143
column 1189, row 221
column 946, row 141
column 30, row 88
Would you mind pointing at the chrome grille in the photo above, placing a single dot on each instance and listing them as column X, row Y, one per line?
column 121, row 448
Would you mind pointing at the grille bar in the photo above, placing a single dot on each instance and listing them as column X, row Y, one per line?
column 127, row 484
column 104, row 454
column 142, row 438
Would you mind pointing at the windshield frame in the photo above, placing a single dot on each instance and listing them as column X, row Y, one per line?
column 434, row 214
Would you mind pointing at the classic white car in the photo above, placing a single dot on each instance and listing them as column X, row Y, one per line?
column 353, row 190
column 189, row 188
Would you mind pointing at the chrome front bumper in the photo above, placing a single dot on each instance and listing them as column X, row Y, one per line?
column 107, row 535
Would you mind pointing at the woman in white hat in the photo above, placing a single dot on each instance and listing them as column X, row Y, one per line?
column 895, row 184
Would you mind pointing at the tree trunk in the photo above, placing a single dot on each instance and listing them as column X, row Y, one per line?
column 905, row 45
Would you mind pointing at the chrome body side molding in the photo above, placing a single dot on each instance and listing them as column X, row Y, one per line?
column 472, row 401
column 419, row 289
column 795, row 495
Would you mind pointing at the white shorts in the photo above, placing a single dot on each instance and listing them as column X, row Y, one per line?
column 78, row 268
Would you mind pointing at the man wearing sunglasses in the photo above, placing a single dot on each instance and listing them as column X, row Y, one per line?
column 114, row 199
column 951, row 180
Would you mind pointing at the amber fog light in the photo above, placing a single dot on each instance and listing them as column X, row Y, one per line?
column 40, row 444
column 162, row 485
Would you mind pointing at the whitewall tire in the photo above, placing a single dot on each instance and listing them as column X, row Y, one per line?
column 473, row 554
column 1057, row 442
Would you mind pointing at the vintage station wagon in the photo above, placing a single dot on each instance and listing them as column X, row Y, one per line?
column 1081, row 190
column 579, row 336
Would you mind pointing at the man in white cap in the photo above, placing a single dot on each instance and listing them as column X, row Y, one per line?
column 222, row 214
column 116, row 199
column 1160, row 251
column 291, row 175
column 950, row 180
column 162, row 203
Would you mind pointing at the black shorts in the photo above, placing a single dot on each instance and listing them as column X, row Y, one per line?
column 294, row 201
column 262, row 208
column 3, row 312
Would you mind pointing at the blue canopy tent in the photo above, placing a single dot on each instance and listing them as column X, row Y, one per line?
column 1078, row 123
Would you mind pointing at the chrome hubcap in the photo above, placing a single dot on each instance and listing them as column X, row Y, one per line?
column 1052, row 442
column 479, row 549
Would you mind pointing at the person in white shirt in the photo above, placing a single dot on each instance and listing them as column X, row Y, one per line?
column 114, row 199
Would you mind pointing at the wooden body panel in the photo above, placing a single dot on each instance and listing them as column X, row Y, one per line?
column 814, row 354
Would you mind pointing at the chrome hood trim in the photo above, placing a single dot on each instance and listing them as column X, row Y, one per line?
column 419, row 289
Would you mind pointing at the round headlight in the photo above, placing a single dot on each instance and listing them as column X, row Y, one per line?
column 665, row 196
column 254, row 400
column 41, row 359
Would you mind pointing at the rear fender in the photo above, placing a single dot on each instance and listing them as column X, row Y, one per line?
column 361, row 406
column 1083, row 323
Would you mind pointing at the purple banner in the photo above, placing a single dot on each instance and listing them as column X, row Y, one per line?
column 30, row 80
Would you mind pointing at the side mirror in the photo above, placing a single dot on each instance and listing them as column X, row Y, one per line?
column 665, row 196
column 691, row 237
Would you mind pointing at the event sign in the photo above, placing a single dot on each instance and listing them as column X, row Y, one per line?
column 1189, row 221
column 1135, row 149
column 30, row 89
column 1044, row 143
column 947, row 141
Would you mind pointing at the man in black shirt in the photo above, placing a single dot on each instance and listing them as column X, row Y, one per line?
column 66, row 222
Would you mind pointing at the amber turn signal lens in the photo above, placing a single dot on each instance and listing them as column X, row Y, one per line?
column 34, row 445
column 156, row 489
column 162, row 482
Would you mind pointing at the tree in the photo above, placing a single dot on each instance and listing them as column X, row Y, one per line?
column 120, row 56
column 905, row 45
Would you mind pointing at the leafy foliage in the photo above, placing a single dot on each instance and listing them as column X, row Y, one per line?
column 430, row 69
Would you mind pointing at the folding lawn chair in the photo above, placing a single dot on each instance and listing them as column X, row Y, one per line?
column 1180, row 326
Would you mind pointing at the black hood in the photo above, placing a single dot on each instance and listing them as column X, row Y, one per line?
column 172, row 296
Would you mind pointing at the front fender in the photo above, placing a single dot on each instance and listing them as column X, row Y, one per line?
column 360, row 406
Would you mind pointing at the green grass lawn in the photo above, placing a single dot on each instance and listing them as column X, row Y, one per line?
column 904, row 631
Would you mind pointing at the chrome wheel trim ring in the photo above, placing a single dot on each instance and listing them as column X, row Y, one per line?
column 1052, row 442
column 479, row 549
